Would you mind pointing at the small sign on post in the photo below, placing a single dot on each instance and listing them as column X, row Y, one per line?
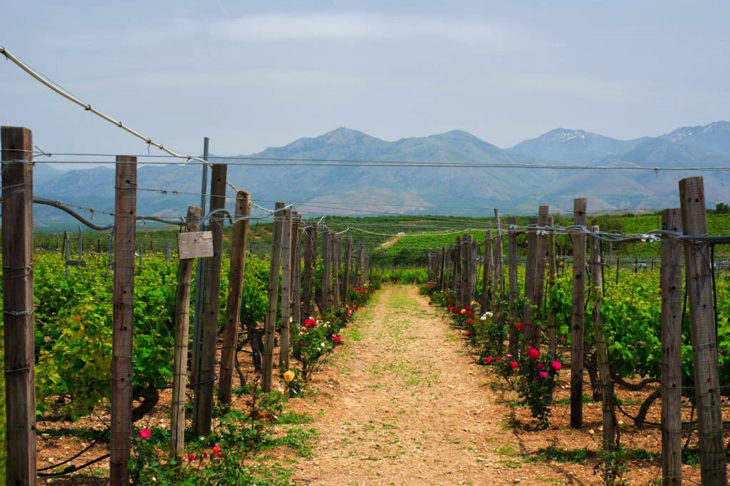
column 198, row 244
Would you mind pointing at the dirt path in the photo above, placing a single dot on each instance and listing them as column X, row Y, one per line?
column 405, row 404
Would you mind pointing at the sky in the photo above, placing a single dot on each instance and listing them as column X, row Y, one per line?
column 255, row 74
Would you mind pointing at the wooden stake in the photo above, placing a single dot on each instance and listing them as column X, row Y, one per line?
column 270, row 325
column 552, row 278
column 336, row 262
column 457, row 271
column 284, row 327
column 18, row 321
column 296, row 268
column 513, row 287
column 326, row 272
column 125, row 225
column 704, row 339
column 540, row 259
column 348, row 269
column 578, row 315
column 310, row 259
column 671, row 288
column 239, row 243
column 530, row 277
column 182, row 329
column 203, row 415
column 610, row 423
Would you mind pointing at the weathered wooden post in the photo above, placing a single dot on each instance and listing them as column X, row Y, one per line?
column 19, row 324
column 530, row 272
column 270, row 324
column 540, row 260
column 125, row 225
column 513, row 287
column 239, row 243
column 457, row 272
column 203, row 413
column 336, row 261
column 578, row 314
column 296, row 281
column 182, row 329
column 326, row 272
column 552, row 278
column 310, row 261
column 348, row 270
column 284, row 327
column 704, row 338
column 498, row 259
column 671, row 288
column 610, row 423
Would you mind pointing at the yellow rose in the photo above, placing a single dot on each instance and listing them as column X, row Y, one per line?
column 288, row 376
column 463, row 311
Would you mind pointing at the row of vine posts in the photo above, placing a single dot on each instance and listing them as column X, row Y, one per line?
column 454, row 269
column 299, row 299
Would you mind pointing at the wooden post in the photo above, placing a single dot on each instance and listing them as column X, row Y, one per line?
column 610, row 423
column 472, row 269
column 182, row 329
column 703, row 331
column 284, row 327
column 326, row 272
column 498, row 259
column 270, row 324
column 457, row 271
column 296, row 266
column 490, row 272
column 310, row 266
column 578, row 315
column 540, row 259
column 552, row 278
column 671, row 288
column 239, row 243
column 513, row 287
column 203, row 414
column 348, row 269
column 19, row 324
column 530, row 277
column 486, row 278
column 125, row 225
column 336, row 261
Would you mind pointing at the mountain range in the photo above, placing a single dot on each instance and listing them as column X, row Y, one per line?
column 387, row 188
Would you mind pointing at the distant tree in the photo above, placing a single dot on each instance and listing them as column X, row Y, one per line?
column 722, row 208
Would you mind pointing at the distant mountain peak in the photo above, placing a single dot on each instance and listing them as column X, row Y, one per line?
column 711, row 129
column 457, row 135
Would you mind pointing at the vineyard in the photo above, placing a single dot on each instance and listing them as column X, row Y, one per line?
column 197, row 351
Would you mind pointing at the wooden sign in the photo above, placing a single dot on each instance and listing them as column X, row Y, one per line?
column 195, row 245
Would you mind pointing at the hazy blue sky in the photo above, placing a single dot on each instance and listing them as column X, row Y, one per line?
column 260, row 73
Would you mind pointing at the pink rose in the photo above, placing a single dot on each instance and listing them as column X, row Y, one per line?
column 534, row 353
column 513, row 364
column 543, row 374
column 145, row 433
column 556, row 365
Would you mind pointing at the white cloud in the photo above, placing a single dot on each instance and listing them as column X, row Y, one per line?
column 356, row 27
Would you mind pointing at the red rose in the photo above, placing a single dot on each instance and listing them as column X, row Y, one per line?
column 556, row 365
column 534, row 353
column 513, row 364
column 216, row 449
column 489, row 360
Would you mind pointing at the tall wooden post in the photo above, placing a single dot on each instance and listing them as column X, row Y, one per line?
column 530, row 277
column 326, row 272
column 498, row 266
column 487, row 277
column 704, row 339
column 125, row 224
column 671, row 288
column 182, row 330
column 610, row 423
column 348, row 270
column 310, row 266
column 19, row 324
column 296, row 269
column 336, row 261
column 552, row 278
column 284, row 327
column 457, row 271
column 270, row 324
column 513, row 287
column 578, row 315
column 540, row 259
column 472, row 269
column 239, row 243
column 203, row 414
